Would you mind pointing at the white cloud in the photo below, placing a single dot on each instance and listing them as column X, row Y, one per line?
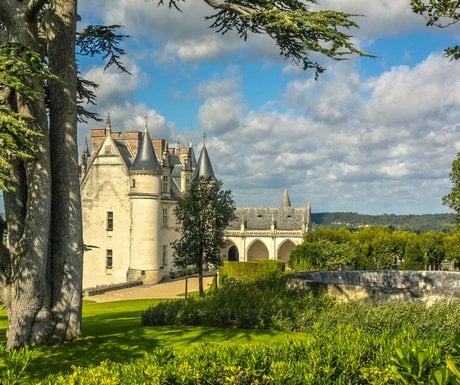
column 222, row 108
column 379, row 18
column 388, row 141
column 344, row 142
column 115, row 96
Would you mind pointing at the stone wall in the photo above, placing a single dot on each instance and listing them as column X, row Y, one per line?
column 380, row 284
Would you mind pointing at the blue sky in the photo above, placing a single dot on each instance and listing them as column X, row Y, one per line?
column 371, row 135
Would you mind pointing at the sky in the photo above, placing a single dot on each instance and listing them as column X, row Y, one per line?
column 371, row 136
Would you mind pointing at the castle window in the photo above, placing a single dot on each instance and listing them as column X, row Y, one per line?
column 109, row 224
column 164, row 256
column 165, row 218
column 109, row 259
column 133, row 183
column 108, row 150
column 165, row 184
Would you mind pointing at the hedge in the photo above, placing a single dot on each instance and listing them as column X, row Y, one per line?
column 251, row 271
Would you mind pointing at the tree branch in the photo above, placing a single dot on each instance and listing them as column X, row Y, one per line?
column 241, row 9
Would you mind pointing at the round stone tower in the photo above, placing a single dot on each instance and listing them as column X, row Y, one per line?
column 144, row 194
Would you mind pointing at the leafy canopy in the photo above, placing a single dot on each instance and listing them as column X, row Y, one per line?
column 452, row 200
column 202, row 214
column 296, row 29
column 19, row 68
column 441, row 14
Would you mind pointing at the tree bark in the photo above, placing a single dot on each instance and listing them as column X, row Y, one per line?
column 41, row 277
column 66, row 237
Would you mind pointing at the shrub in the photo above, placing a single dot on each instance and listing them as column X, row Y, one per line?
column 268, row 303
column 345, row 355
column 251, row 271
column 260, row 304
column 15, row 363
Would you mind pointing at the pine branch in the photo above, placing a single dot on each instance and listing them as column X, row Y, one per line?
column 102, row 40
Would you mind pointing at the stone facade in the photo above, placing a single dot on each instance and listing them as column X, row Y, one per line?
column 129, row 187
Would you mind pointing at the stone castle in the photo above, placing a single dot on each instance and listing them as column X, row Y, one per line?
column 130, row 185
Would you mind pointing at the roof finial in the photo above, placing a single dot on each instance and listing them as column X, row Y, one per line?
column 146, row 118
column 108, row 124
column 204, row 138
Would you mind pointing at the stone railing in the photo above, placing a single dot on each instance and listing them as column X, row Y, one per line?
column 380, row 284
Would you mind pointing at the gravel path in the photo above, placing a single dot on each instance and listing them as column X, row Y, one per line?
column 169, row 289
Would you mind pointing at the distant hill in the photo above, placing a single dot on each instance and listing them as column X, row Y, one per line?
column 416, row 223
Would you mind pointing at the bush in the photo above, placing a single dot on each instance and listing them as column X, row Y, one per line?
column 345, row 355
column 15, row 363
column 261, row 304
column 269, row 304
column 251, row 271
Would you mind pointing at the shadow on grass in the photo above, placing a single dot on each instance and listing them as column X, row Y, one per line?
column 118, row 336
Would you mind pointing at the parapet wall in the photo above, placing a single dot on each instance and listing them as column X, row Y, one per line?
column 380, row 284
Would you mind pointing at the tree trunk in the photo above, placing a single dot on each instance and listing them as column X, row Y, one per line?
column 200, row 279
column 66, row 238
column 28, row 209
column 41, row 277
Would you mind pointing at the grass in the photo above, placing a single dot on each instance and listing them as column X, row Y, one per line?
column 113, row 331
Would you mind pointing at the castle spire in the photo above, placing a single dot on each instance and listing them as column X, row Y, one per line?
column 146, row 159
column 108, row 125
column 204, row 167
column 85, row 156
column 285, row 201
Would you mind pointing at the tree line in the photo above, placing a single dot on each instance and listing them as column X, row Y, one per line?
column 376, row 248
column 411, row 222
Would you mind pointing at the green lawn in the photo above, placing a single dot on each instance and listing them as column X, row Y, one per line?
column 113, row 331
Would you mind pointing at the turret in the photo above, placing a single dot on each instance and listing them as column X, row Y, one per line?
column 84, row 158
column 204, row 167
column 285, row 201
column 145, row 193
column 165, row 184
column 187, row 169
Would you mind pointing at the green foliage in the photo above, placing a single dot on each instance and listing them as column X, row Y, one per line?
column 452, row 200
column 269, row 303
column 97, row 40
column 344, row 355
column 297, row 30
column 374, row 248
column 261, row 304
column 415, row 223
column 202, row 214
column 14, row 363
column 20, row 69
column 415, row 363
column 442, row 14
column 251, row 270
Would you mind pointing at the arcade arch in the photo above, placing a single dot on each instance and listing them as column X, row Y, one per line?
column 257, row 250
column 285, row 250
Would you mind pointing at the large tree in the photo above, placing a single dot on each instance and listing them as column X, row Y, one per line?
column 202, row 214
column 40, row 276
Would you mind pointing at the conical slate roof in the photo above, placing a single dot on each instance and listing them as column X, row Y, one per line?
column 204, row 167
column 146, row 159
column 285, row 201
